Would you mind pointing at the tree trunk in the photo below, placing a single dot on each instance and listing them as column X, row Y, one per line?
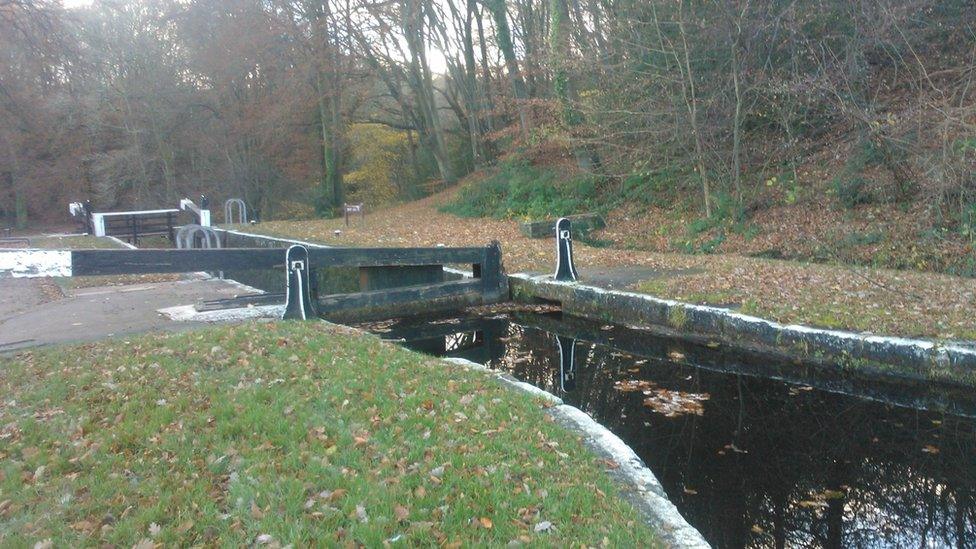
column 331, row 188
column 503, row 35
column 737, row 124
column 691, row 101
column 486, row 71
column 471, row 87
column 16, row 187
column 560, row 47
column 414, row 34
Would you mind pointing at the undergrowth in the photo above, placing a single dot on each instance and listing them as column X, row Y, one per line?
column 519, row 190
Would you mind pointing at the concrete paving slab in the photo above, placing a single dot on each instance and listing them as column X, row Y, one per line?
column 88, row 314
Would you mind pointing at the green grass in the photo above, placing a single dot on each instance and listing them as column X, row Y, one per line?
column 304, row 432
column 73, row 242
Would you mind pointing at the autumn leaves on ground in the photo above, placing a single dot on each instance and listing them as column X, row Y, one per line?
column 287, row 433
column 881, row 301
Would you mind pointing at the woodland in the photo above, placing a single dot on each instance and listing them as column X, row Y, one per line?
column 717, row 109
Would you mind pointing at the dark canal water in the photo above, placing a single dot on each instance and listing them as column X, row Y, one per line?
column 750, row 461
column 755, row 452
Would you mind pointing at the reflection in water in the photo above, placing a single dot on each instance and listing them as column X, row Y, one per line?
column 767, row 463
column 567, row 363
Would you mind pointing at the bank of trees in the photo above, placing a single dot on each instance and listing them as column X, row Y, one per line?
column 299, row 105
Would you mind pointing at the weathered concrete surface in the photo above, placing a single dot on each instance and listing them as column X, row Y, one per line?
column 20, row 294
column 625, row 276
column 887, row 356
column 94, row 313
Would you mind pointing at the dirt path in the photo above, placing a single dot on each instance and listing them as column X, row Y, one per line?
column 905, row 303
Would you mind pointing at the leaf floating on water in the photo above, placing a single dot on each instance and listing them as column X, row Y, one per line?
column 811, row 504
column 633, row 385
column 736, row 449
column 675, row 403
column 446, row 321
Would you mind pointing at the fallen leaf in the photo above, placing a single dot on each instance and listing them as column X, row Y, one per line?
column 543, row 526
column 361, row 515
column 144, row 543
column 809, row 503
column 256, row 511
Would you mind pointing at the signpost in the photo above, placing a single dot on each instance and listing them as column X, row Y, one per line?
column 353, row 208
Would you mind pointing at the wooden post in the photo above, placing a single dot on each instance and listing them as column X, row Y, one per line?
column 491, row 268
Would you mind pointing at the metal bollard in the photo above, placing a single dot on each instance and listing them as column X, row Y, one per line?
column 565, row 270
column 299, row 293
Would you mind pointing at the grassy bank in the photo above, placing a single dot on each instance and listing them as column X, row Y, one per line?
column 74, row 242
column 286, row 433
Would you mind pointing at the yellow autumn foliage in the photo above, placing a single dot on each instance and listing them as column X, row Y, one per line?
column 377, row 154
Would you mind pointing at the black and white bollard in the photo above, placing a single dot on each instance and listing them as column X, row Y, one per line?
column 299, row 295
column 567, row 363
column 565, row 270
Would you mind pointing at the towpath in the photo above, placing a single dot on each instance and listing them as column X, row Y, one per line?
column 881, row 301
column 36, row 312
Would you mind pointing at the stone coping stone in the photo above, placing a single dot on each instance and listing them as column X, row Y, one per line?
column 581, row 224
column 891, row 357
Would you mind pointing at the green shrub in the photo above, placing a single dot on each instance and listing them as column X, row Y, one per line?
column 850, row 187
column 701, row 225
column 851, row 191
column 653, row 188
column 518, row 190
